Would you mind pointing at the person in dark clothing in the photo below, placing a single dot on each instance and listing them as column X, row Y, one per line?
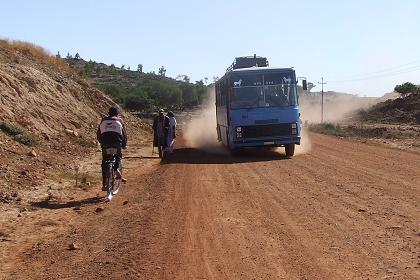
column 112, row 133
column 160, row 131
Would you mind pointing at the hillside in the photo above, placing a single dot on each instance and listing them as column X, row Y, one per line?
column 40, row 94
column 139, row 91
column 396, row 111
column 48, row 117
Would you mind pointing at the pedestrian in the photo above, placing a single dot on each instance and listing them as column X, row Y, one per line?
column 160, row 132
column 171, row 132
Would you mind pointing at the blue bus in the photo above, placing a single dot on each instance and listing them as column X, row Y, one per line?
column 258, row 106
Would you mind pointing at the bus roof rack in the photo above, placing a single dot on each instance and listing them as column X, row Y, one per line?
column 247, row 62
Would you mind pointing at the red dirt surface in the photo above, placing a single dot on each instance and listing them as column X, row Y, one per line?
column 345, row 210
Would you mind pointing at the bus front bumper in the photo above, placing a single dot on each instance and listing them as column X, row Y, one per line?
column 276, row 142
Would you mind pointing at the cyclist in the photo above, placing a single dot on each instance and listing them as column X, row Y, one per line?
column 112, row 133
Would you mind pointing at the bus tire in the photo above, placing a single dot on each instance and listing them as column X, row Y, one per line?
column 290, row 149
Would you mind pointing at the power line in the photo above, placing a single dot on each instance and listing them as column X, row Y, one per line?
column 394, row 73
column 391, row 69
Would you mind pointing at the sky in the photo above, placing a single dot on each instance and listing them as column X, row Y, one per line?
column 360, row 47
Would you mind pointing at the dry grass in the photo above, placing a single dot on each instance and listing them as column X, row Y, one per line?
column 35, row 52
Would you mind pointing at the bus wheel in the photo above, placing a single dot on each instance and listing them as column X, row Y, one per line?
column 290, row 150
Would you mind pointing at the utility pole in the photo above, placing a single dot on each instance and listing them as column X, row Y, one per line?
column 322, row 98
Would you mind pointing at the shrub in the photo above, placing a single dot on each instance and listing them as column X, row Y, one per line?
column 329, row 128
column 84, row 142
column 28, row 140
column 19, row 134
column 138, row 102
column 407, row 88
column 9, row 129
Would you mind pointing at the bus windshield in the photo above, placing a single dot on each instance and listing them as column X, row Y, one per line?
column 270, row 90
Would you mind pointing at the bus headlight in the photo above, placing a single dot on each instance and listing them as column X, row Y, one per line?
column 239, row 129
column 238, row 134
column 294, row 128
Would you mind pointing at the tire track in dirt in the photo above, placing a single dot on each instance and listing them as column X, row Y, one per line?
column 346, row 210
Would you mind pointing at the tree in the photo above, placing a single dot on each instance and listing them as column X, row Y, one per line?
column 186, row 79
column 189, row 94
column 140, row 68
column 111, row 69
column 206, row 80
column 77, row 56
column 138, row 101
column 123, row 67
column 88, row 68
column 58, row 55
column 69, row 56
column 407, row 88
column 128, row 68
column 201, row 90
column 162, row 71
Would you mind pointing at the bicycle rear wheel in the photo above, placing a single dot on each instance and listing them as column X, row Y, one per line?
column 109, row 180
column 116, row 184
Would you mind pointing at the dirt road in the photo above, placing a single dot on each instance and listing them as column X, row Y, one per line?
column 345, row 210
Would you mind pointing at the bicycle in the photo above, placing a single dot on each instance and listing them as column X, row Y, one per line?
column 112, row 183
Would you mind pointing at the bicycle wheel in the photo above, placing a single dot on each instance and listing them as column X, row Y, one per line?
column 109, row 180
column 116, row 183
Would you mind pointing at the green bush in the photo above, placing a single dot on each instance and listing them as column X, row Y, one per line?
column 329, row 128
column 9, row 129
column 407, row 88
column 84, row 142
column 20, row 135
column 138, row 102
column 28, row 140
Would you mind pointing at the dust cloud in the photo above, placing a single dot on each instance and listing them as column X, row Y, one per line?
column 200, row 130
column 338, row 107
column 305, row 143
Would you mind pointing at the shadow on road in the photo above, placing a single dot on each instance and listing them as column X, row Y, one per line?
column 48, row 204
column 142, row 157
column 196, row 156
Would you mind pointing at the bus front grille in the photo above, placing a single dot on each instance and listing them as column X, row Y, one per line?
column 256, row 131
